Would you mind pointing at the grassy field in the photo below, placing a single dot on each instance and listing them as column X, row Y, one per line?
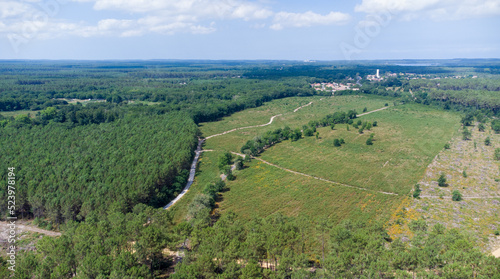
column 407, row 139
column 320, row 107
column 261, row 190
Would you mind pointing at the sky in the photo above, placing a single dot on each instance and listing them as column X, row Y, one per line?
column 249, row 29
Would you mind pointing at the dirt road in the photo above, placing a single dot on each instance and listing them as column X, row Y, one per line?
column 5, row 228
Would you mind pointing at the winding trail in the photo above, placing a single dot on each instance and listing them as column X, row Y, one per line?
column 192, row 172
column 248, row 127
column 310, row 103
column 318, row 178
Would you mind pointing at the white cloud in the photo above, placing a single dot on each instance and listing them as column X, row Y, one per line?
column 307, row 19
column 433, row 9
column 29, row 19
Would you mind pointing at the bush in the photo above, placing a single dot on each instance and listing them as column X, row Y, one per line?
column 495, row 125
column 375, row 123
column 365, row 109
column 466, row 134
column 481, row 127
column 497, row 232
column 308, row 132
column 416, row 193
column 497, row 154
column 464, row 173
column 386, row 104
column 456, row 196
column 369, row 141
column 447, row 146
column 487, row 141
column 336, row 142
column 224, row 160
column 442, row 180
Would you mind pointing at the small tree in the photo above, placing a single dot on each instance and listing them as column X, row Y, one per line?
column 368, row 126
column 466, row 134
column 224, row 160
column 360, row 130
column 375, row 123
column 386, row 104
column 481, row 127
column 464, row 173
column 487, row 141
column 446, row 146
column 456, row 196
column 365, row 109
column 442, row 180
column 238, row 163
column 317, row 135
column 497, row 154
column 332, row 126
column 369, row 141
column 416, row 193
column 347, row 127
column 336, row 142
column 342, row 141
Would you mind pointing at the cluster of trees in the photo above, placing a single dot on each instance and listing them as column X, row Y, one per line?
column 113, row 245
column 70, row 173
column 301, row 247
column 270, row 138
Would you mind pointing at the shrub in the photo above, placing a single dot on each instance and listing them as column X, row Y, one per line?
column 365, row 109
column 447, row 146
column 375, row 123
column 369, row 141
column 336, row 142
column 466, row 134
column 481, row 127
column 497, row 154
column 497, row 232
column 456, row 196
column 442, row 180
column 487, row 141
column 386, row 104
column 416, row 193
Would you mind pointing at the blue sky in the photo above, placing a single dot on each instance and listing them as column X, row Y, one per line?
column 245, row 29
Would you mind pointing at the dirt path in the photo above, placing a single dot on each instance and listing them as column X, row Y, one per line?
column 372, row 111
column 496, row 253
column 248, row 127
column 5, row 229
column 318, row 178
column 310, row 103
column 192, row 172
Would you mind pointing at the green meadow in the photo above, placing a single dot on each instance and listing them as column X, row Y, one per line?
column 406, row 140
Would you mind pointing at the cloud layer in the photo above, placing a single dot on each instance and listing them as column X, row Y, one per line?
column 432, row 9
